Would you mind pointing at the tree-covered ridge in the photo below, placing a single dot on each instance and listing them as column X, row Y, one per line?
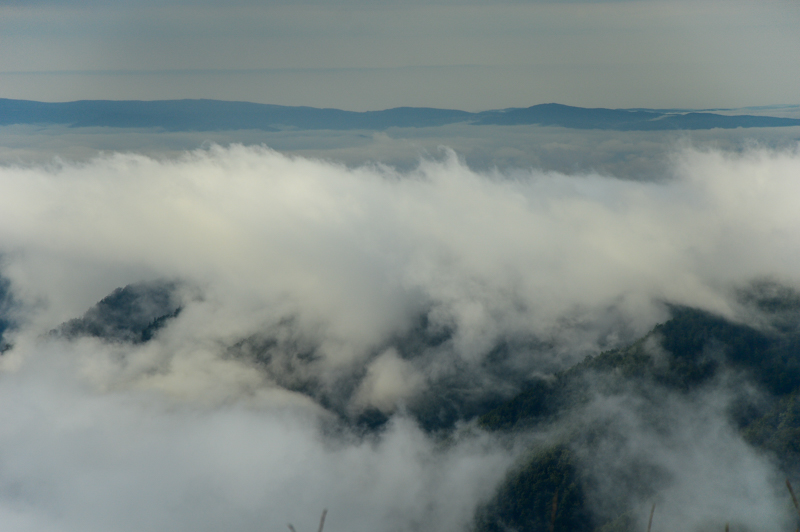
column 7, row 304
column 133, row 313
column 750, row 368
column 544, row 492
column 693, row 353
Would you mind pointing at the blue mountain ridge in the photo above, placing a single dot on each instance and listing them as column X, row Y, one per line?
column 216, row 115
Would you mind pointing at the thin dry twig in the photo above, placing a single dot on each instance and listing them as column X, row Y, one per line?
column 794, row 499
column 650, row 522
column 553, row 511
column 321, row 522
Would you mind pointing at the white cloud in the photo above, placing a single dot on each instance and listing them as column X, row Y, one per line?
column 179, row 434
column 354, row 254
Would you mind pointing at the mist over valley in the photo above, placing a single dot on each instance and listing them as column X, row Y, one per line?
column 443, row 327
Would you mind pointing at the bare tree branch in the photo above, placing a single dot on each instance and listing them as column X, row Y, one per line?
column 553, row 511
column 650, row 522
column 794, row 499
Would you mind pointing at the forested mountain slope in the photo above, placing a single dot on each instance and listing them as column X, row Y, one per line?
column 602, row 436
column 752, row 375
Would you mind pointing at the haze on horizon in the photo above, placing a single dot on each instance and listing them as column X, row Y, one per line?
column 373, row 54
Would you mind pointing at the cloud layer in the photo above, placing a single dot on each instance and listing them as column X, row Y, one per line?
column 310, row 292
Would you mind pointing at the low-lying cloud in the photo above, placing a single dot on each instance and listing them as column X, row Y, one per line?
column 681, row 453
column 312, row 293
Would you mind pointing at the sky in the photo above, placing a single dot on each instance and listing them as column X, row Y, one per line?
column 373, row 54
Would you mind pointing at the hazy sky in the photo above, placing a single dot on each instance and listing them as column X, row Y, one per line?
column 374, row 54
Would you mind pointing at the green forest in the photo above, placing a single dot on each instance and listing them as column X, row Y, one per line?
column 691, row 354
column 591, row 434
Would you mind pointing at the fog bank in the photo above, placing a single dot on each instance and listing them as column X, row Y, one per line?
column 311, row 293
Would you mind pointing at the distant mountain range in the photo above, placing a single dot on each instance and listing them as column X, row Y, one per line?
column 215, row 115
